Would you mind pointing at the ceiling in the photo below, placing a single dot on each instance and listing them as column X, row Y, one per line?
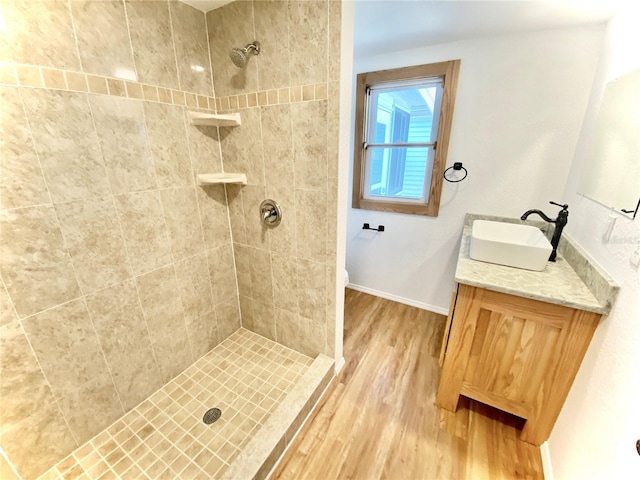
column 383, row 26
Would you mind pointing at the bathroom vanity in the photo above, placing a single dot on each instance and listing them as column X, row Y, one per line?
column 514, row 339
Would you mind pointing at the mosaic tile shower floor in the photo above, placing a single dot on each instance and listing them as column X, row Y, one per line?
column 164, row 437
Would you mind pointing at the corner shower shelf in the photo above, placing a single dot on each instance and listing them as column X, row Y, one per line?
column 215, row 119
column 217, row 178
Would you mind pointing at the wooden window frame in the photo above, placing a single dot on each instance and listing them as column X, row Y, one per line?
column 448, row 71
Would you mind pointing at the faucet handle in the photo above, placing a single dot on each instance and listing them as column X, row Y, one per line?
column 564, row 206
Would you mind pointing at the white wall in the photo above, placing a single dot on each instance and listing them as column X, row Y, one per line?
column 519, row 108
column 595, row 435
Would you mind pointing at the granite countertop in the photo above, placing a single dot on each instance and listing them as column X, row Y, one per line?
column 558, row 283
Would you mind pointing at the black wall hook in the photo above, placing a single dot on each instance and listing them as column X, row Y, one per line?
column 367, row 227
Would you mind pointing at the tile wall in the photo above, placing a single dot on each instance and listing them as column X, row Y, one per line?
column 117, row 270
column 288, row 146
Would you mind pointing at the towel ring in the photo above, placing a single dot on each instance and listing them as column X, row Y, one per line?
column 456, row 166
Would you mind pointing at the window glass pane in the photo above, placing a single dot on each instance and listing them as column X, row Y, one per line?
column 406, row 112
column 398, row 172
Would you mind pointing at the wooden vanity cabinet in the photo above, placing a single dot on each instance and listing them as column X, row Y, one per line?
column 513, row 353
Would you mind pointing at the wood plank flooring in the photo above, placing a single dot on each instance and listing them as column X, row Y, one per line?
column 379, row 419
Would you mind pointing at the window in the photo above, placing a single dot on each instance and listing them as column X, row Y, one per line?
column 403, row 120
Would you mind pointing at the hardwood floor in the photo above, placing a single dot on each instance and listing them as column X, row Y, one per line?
column 379, row 418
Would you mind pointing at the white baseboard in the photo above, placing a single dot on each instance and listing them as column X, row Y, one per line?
column 546, row 461
column 338, row 366
column 399, row 299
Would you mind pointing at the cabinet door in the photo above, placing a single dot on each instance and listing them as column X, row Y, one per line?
column 515, row 354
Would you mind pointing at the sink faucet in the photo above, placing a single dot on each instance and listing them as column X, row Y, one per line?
column 559, row 222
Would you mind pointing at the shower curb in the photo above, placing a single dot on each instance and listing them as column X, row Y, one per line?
column 261, row 454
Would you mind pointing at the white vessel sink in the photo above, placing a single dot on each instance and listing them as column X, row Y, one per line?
column 510, row 244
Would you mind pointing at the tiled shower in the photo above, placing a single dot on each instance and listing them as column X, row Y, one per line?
column 119, row 271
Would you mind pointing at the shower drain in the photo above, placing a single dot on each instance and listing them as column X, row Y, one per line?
column 211, row 415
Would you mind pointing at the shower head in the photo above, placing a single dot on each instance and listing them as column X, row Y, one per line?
column 240, row 56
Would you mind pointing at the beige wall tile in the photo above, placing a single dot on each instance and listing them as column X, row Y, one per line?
column 150, row 28
column 145, row 231
column 160, row 300
column 272, row 97
column 313, row 337
column 252, row 99
column 189, row 29
column 77, row 81
column 168, row 140
column 263, row 98
column 36, row 267
column 50, row 41
column 203, row 333
column 29, row 76
column 195, row 286
column 241, row 151
column 228, row 315
column 246, row 312
column 214, row 215
column 312, row 289
column 178, row 97
column 134, row 90
column 285, row 282
column 97, row 84
column 272, row 29
column 277, row 144
column 333, row 132
column 6, row 471
column 191, row 100
column 295, row 93
column 283, row 95
column 8, row 74
column 203, row 102
column 122, row 332
column 70, row 356
column 308, row 41
column 92, row 234
column 116, row 87
column 182, row 217
column 236, row 213
column 150, row 92
column 121, row 130
column 309, row 127
column 243, row 269
column 311, row 225
column 54, row 78
column 222, row 271
column 231, row 26
column 287, row 328
column 320, row 91
column 332, row 218
column 67, row 144
column 103, row 38
column 261, row 276
column 282, row 239
column 257, row 233
column 330, row 316
column 22, row 180
column 34, row 432
column 308, row 93
column 7, row 311
column 335, row 19
column 264, row 322
column 204, row 148
column 164, row 95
